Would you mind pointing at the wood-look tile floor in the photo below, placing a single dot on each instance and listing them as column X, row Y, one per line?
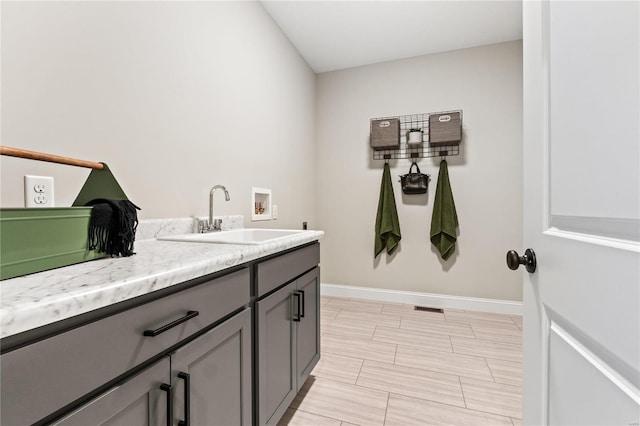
column 388, row 364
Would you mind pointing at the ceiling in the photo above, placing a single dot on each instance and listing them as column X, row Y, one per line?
column 337, row 34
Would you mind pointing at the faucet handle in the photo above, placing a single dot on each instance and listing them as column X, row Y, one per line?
column 217, row 224
column 203, row 226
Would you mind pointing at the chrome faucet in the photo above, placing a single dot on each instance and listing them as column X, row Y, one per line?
column 214, row 225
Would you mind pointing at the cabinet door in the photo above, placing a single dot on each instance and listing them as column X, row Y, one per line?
column 212, row 376
column 142, row 400
column 276, row 357
column 308, row 329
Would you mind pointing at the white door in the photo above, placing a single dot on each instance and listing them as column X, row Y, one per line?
column 582, row 212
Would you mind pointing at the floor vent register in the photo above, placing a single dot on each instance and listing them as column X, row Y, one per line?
column 428, row 309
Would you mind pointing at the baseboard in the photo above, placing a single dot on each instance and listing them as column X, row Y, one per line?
column 443, row 301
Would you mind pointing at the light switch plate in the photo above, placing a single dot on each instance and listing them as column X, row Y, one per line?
column 38, row 191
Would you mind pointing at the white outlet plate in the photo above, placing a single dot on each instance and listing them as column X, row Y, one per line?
column 274, row 211
column 38, row 191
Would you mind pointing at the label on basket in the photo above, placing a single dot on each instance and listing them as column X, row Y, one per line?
column 384, row 124
column 444, row 118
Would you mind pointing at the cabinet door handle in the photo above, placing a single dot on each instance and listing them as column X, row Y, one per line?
column 187, row 399
column 188, row 316
column 302, row 293
column 296, row 317
column 169, row 390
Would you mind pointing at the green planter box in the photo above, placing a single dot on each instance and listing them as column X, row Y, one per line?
column 37, row 239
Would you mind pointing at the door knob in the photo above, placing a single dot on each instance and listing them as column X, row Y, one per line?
column 514, row 260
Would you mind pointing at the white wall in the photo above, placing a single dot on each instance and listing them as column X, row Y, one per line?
column 174, row 96
column 486, row 179
column 179, row 96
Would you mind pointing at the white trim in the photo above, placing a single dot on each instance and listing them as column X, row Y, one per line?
column 545, row 60
column 618, row 380
column 495, row 306
column 617, row 229
column 593, row 239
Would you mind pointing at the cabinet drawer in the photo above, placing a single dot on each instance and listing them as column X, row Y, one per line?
column 277, row 271
column 43, row 377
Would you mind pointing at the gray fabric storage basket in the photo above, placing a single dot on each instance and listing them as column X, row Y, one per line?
column 445, row 129
column 385, row 134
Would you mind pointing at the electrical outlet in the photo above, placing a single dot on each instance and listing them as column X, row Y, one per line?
column 274, row 211
column 38, row 191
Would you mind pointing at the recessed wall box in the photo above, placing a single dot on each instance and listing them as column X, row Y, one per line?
column 261, row 202
column 385, row 133
column 445, row 129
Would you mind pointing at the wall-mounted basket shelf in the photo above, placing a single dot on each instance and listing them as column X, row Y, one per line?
column 421, row 150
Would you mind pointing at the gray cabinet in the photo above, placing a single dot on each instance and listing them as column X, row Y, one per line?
column 288, row 344
column 46, row 379
column 180, row 356
column 211, row 376
column 308, row 328
column 142, row 400
column 276, row 362
column 210, row 385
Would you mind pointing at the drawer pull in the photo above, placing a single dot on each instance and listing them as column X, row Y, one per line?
column 296, row 317
column 169, row 390
column 187, row 317
column 187, row 399
column 302, row 293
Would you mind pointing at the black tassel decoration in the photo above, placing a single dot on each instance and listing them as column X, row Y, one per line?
column 112, row 226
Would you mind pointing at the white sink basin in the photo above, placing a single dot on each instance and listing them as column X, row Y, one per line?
column 235, row 236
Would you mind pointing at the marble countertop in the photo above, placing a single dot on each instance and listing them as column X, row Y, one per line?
column 39, row 299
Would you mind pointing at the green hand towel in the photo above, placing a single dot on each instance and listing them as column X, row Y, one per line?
column 444, row 220
column 387, row 224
